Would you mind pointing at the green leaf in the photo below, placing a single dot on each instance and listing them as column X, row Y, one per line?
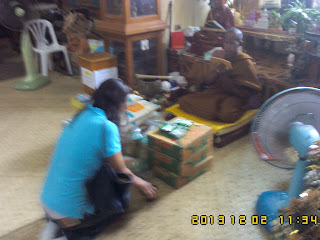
column 276, row 14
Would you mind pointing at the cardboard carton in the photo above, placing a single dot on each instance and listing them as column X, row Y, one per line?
column 195, row 139
column 96, row 68
column 183, row 167
column 177, row 181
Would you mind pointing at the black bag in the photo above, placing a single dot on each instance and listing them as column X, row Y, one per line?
column 109, row 191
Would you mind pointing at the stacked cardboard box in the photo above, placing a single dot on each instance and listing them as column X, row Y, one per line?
column 178, row 161
column 96, row 68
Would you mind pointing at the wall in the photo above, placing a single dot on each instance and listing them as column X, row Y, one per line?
column 184, row 13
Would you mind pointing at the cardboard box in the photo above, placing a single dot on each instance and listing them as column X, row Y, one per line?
column 195, row 139
column 177, row 181
column 96, row 68
column 96, row 45
column 183, row 167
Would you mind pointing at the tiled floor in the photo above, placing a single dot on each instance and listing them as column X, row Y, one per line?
column 30, row 123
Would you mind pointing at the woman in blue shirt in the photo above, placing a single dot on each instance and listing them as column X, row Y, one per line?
column 90, row 140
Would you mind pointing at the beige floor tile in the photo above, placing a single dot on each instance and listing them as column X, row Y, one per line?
column 30, row 123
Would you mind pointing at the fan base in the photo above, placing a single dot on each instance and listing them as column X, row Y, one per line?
column 32, row 82
column 268, row 205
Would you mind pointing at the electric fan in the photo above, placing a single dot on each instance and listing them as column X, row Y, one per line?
column 282, row 131
column 13, row 15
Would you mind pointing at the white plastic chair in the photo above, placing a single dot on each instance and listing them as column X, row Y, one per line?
column 38, row 28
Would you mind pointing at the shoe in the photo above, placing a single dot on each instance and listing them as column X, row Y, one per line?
column 49, row 231
column 59, row 234
column 86, row 238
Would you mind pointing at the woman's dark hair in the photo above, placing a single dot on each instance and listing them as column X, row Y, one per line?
column 111, row 94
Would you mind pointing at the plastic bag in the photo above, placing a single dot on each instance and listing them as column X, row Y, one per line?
column 154, row 122
column 175, row 130
column 136, row 146
column 136, row 134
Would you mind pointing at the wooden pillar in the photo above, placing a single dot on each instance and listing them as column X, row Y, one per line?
column 129, row 63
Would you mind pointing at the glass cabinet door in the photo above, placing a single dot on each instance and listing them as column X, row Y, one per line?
column 145, row 58
column 118, row 49
column 95, row 3
column 73, row 2
column 114, row 7
column 139, row 8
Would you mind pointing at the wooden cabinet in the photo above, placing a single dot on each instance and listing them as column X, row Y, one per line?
column 132, row 30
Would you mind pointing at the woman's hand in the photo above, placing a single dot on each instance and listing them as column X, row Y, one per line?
column 146, row 188
column 117, row 163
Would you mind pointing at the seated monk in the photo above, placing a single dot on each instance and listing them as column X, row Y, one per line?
column 203, row 41
column 227, row 97
column 222, row 14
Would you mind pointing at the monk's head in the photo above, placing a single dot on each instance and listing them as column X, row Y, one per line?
column 233, row 42
column 219, row 3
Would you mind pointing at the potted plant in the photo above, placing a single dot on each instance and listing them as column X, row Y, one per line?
column 298, row 16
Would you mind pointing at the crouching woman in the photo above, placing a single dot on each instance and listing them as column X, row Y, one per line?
column 87, row 183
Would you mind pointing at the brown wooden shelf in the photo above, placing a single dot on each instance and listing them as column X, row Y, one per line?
column 123, row 31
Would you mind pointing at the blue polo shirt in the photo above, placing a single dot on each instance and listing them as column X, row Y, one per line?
column 79, row 153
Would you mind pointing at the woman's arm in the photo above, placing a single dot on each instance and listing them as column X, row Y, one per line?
column 117, row 163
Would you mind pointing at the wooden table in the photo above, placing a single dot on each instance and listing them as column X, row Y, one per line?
column 272, row 41
column 273, row 86
column 275, row 36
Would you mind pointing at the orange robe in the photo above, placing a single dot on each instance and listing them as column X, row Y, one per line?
column 224, row 16
column 227, row 98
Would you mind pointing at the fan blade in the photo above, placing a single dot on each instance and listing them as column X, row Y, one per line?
column 271, row 126
column 13, row 13
column 8, row 18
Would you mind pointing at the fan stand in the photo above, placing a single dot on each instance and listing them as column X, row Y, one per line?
column 32, row 80
column 300, row 137
column 270, row 202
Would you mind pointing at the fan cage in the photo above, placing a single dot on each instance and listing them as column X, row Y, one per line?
column 270, row 128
